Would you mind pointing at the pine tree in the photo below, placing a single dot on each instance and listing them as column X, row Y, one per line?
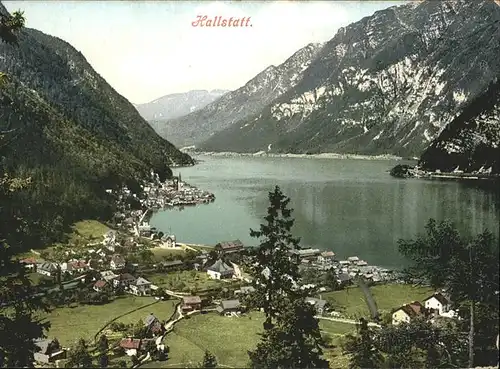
column 79, row 356
column 291, row 337
column 362, row 349
column 209, row 360
column 275, row 271
column 467, row 269
column 294, row 342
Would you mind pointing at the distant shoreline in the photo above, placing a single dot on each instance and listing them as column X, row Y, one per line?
column 307, row 156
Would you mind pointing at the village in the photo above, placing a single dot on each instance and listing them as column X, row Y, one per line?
column 133, row 258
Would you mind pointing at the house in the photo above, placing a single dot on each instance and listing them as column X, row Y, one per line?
column 153, row 324
column 238, row 274
column 101, row 286
column 168, row 242
column 75, row 266
column 190, row 303
column 47, row 268
column 172, row 265
column 326, row 257
column 227, row 307
column 407, row 312
column 131, row 345
column 220, row 270
column 353, row 259
column 140, row 287
column 361, row 263
column 29, row 263
column 320, row 305
column 48, row 351
column 244, row 290
column 109, row 237
column 123, row 280
column 344, row 279
column 108, row 275
column 437, row 302
column 306, row 254
column 228, row 247
column 117, row 262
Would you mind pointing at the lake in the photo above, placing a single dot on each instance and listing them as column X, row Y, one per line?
column 352, row 207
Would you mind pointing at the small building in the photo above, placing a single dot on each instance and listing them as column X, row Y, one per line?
column 344, row 279
column 109, row 237
column 438, row 303
column 108, row 275
column 49, row 269
column 228, row 247
column 306, row 254
column 131, row 345
column 124, row 280
column 168, row 242
column 228, row 307
column 246, row 290
column 49, row 350
column 361, row 263
column 220, row 270
column 326, row 257
column 237, row 272
column 75, row 266
column 153, row 324
column 117, row 262
column 29, row 263
column 140, row 287
column 172, row 265
column 190, row 303
column 320, row 305
column 101, row 286
column 407, row 312
column 353, row 259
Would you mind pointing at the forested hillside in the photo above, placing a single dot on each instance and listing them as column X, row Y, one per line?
column 471, row 142
column 69, row 131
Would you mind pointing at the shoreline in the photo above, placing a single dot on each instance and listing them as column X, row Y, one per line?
column 304, row 156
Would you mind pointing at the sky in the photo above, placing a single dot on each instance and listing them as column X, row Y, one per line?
column 147, row 49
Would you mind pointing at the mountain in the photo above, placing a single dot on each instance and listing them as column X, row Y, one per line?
column 471, row 142
column 241, row 103
column 389, row 83
column 177, row 105
column 69, row 131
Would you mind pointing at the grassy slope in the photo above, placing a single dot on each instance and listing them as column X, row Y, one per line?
column 352, row 303
column 84, row 321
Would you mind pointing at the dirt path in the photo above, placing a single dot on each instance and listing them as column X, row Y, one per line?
column 347, row 321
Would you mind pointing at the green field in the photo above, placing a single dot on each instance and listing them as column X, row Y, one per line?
column 351, row 301
column 160, row 254
column 81, row 232
column 228, row 338
column 84, row 321
column 184, row 280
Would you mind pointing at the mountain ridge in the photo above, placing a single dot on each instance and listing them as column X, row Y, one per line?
column 67, row 130
column 388, row 83
column 177, row 104
column 240, row 103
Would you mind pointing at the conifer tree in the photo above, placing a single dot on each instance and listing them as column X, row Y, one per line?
column 275, row 271
column 291, row 337
column 209, row 360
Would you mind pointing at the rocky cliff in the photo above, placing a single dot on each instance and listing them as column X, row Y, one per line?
column 471, row 142
column 389, row 83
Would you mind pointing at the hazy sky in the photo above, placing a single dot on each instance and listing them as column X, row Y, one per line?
column 147, row 49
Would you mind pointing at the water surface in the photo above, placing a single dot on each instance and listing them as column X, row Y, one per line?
column 352, row 207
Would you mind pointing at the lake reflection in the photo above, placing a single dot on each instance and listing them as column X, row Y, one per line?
column 352, row 207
